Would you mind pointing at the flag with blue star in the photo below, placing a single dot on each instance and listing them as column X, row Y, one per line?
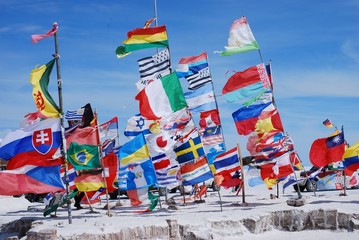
column 139, row 124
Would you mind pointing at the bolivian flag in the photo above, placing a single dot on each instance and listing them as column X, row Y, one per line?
column 39, row 78
column 141, row 38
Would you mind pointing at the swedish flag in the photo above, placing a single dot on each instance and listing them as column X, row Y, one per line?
column 190, row 150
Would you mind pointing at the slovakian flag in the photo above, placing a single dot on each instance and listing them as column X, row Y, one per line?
column 37, row 37
column 351, row 159
column 39, row 78
column 34, row 144
column 327, row 150
column 227, row 161
column 190, row 150
column 160, row 98
column 196, row 172
column 31, row 179
column 142, row 38
column 246, row 118
column 247, row 85
column 240, row 39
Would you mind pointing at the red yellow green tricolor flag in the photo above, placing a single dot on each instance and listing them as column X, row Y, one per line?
column 141, row 38
column 39, row 78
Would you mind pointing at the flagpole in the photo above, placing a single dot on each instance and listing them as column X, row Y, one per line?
column 102, row 163
column 62, row 122
column 242, row 173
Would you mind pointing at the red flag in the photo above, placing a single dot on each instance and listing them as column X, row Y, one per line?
column 209, row 119
column 327, row 150
column 37, row 37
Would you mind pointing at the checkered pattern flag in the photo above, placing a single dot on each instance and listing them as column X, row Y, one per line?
column 199, row 79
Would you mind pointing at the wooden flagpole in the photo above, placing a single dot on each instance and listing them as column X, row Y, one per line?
column 242, row 173
column 102, row 163
column 62, row 122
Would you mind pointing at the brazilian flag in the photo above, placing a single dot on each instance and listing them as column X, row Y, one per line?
column 83, row 157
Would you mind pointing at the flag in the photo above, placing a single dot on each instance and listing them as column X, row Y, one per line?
column 31, row 179
column 327, row 150
column 109, row 129
column 39, row 78
column 149, row 22
column 190, row 65
column 190, row 150
column 142, row 38
column 246, row 118
column 211, row 135
column 32, row 144
column 247, row 85
column 153, row 68
column 86, row 135
column 91, row 181
column 83, row 157
column 31, row 118
column 328, row 123
column 200, row 78
column 253, row 176
column 196, row 172
column 141, row 196
column 71, row 175
column 351, row 159
column 133, row 151
column 110, row 166
column 214, row 151
column 82, row 116
column 201, row 99
column 140, row 175
column 240, row 39
column 161, row 98
column 227, row 161
column 138, row 124
column 168, row 177
column 209, row 119
column 37, row 37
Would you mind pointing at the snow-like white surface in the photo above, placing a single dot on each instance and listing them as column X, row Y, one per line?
column 258, row 201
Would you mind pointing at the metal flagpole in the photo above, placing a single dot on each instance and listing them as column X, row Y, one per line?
column 63, row 149
column 242, row 173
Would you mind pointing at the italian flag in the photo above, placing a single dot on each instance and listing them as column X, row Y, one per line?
column 161, row 97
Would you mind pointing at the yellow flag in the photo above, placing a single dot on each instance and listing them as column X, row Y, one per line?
column 39, row 78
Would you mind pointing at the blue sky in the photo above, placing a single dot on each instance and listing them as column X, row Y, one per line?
column 313, row 47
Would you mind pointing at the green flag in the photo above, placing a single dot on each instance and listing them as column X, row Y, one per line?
column 83, row 157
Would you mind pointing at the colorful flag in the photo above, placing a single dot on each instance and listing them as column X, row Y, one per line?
column 142, row 38
column 328, row 123
column 132, row 152
column 140, row 175
column 138, row 124
column 86, row 135
column 82, row 116
column 247, row 85
column 246, row 118
column 83, row 157
column 37, row 37
column 160, row 98
column 214, row 151
column 240, row 39
column 71, row 175
column 31, row 179
column 109, row 130
column 87, row 182
column 211, row 135
column 198, row 79
column 31, row 118
column 39, row 78
column 209, row 119
column 227, row 161
column 149, row 22
column 201, row 99
column 142, row 196
column 32, row 144
column 190, row 150
column 168, row 177
column 153, row 68
column 190, row 65
column 196, row 172
column 351, row 159
column 327, row 150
